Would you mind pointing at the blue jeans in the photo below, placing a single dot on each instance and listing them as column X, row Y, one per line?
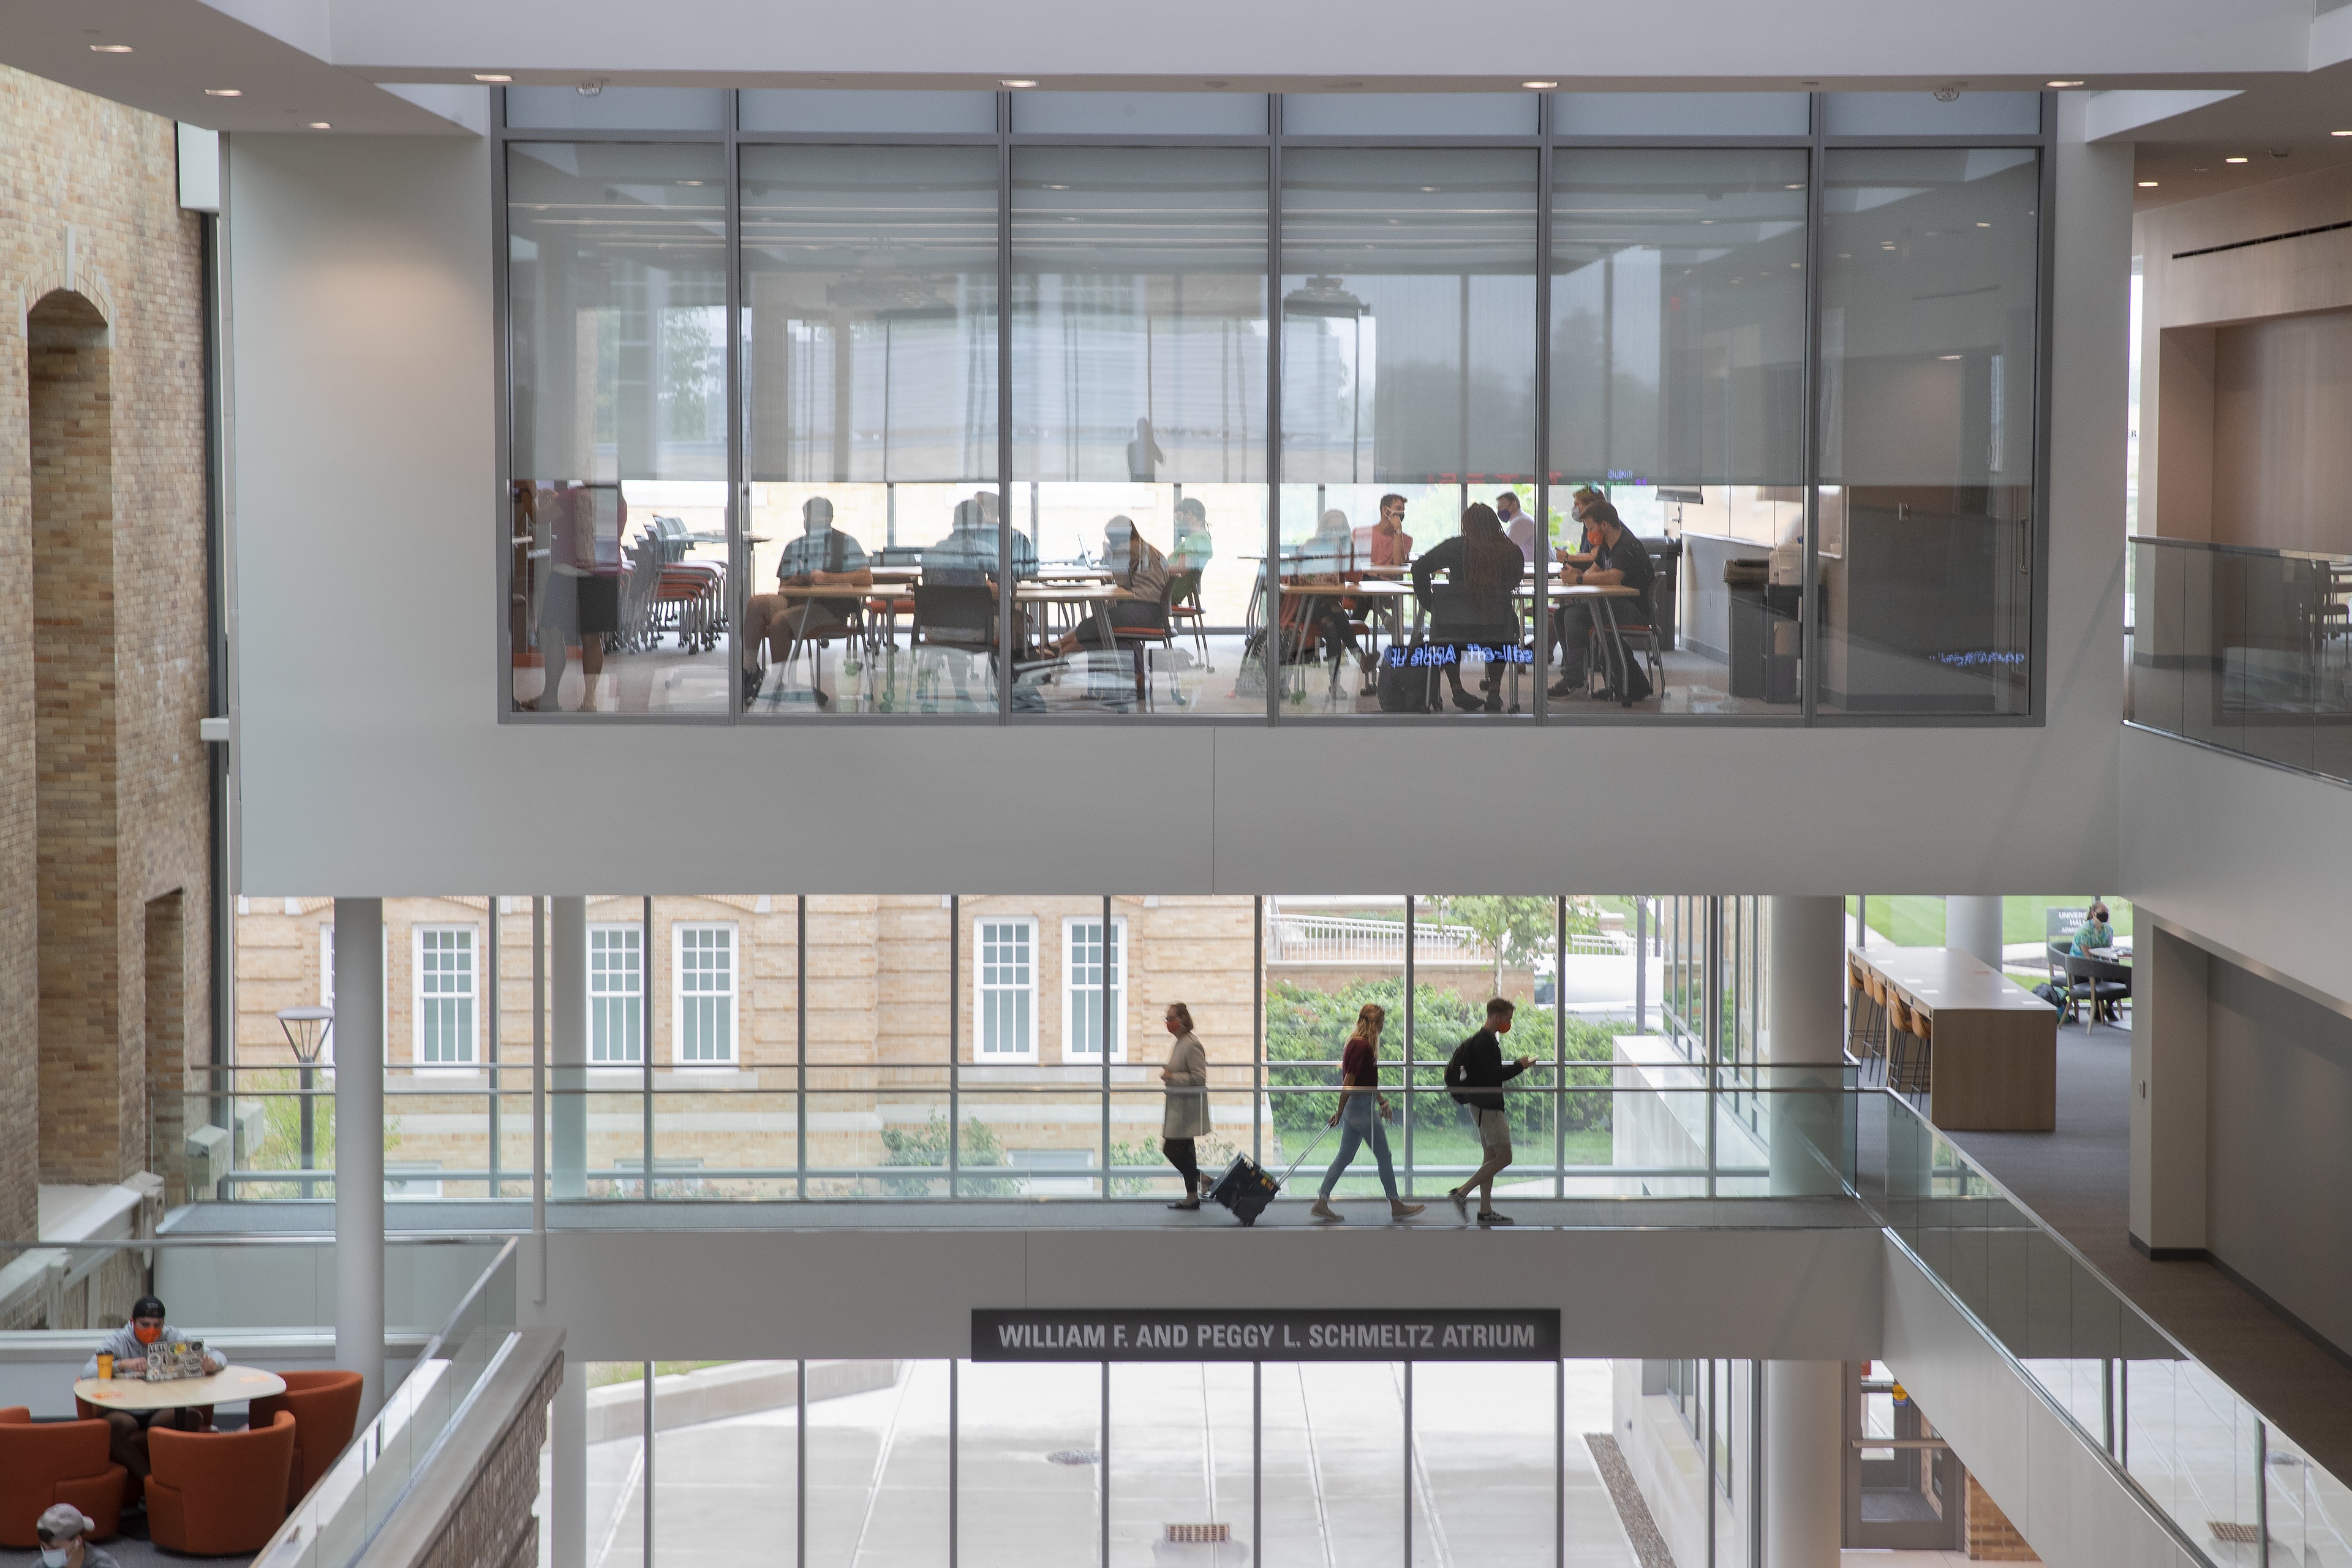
column 1356, row 1128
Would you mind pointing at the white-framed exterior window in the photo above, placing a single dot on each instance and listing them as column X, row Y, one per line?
column 327, row 986
column 1004, row 989
column 447, row 989
column 616, row 995
column 1084, row 966
column 702, row 993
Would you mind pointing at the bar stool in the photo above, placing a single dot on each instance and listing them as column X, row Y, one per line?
column 1898, row 1040
column 1866, row 1004
column 1917, row 1070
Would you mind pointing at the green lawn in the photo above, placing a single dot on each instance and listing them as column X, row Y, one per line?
column 1914, row 919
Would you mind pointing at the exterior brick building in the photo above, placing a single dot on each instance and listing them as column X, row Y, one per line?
column 104, row 880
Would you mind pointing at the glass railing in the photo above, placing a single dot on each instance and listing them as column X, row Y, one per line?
column 2230, row 1483
column 2246, row 650
column 342, row 1513
column 1647, row 1121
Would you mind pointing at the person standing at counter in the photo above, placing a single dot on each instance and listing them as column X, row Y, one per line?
column 1187, row 1116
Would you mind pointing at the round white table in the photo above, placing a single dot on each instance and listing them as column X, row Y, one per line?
column 226, row 1386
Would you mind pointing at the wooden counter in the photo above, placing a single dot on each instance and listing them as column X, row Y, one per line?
column 1994, row 1066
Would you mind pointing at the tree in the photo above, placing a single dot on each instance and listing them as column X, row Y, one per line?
column 1513, row 931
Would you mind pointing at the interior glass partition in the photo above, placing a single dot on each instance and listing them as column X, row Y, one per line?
column 1930, row 311
column 616, row 531
column 1408, row 307
column 1678, row 296
column 1138, row 433
column 870, row 364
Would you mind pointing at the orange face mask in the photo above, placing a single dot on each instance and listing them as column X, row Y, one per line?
column 145, row 1335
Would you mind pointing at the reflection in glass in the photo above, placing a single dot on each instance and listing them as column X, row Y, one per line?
column 1408, row 308
column 1138, row 397
column 1928, row 312
column 1677, row 363
column 617, row 526
column 870, row 345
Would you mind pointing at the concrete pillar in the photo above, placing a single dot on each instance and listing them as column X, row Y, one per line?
column 2169, row 1017
column 567, row 1486
column 1973, row 925
column 1804, row 1463
column 1804, row 1044
column 567, row 1046
column 358, row 1145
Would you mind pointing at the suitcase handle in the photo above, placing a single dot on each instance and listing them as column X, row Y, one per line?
column 1293, row 1169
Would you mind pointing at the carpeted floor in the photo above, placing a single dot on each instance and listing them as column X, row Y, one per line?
column 2078, row 1180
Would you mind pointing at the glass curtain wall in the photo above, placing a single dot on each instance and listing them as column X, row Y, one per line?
column 1678, row 329
column 870, row 442
column 1408, row 394
column 1927, row 398
column 891, row 247
column 619, row 598
column 1139, row 423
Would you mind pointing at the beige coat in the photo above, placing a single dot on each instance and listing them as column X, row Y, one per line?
column 1188, row 1089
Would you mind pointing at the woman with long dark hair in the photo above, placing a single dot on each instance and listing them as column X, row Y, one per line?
column 1482, row 559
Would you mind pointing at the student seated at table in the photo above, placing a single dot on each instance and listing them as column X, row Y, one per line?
column 1482, row 560
column 1326, row 560
column 822, row 555
column 1193, row 548
column 1136, row 566
column 966, row 556
column 1580, row 511
column 130, row 1345
column 2095, row 932
column 1619, row 559
column 1391, row 545
column 1517, row 525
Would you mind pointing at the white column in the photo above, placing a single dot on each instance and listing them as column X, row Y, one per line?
column 567, row 1046
column 1973, row 925
column 567, row 1488
column 2169, row 1014
column 1804, row 1463
column 358, row 1145
column 1804, row 1044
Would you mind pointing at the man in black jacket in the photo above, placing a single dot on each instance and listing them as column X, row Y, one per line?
column 1477, row 1074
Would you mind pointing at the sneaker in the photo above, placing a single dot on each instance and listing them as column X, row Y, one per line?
column 1323, row 1211
column 1565, row 688
column 752, row 681
column 1469, row 704
column 1488, row 1217
column 1401, row 1210
column 1187, row 1204
column 1461, row 1201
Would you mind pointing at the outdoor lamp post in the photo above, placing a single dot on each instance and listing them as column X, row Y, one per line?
column 307, row 1030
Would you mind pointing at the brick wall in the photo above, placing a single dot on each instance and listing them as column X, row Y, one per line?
column 1991, row 1538
column 104, row 273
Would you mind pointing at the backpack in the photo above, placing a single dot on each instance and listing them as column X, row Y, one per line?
column 1408, row 687
column 1455, row 1073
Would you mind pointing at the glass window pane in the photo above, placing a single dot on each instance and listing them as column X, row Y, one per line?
column 1483, row 1454
column 877, row 1464
column 1928, row 312
column 617, row 109
column 827, row 109
column 1140, row 407
column 1029, row 1473
column 878, row 1046
column 1332, row 1447
column 1924, row 114
column 1178, row 1485
column 616, row 1462
column 1141, row 113
column 616, row 299
column 1678, row 312
column 723, row 1488
column 1681, row 114
column 1409, row 114
column 1408, row 371
column 869, row 279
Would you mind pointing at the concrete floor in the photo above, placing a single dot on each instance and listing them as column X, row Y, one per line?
column 2078, row 1181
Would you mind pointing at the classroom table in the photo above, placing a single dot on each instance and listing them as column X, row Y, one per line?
column 1993, row 1063
column 1389, row 596
column 227, row 1386
column 1603, row 598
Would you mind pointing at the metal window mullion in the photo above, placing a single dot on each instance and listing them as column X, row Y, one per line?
column 491, row 1009
column 2045, row 337
column 538, row 1086
column 1710, row 1041
column 800, row 1029
column 647, row 1520
column 800, row 1465
column 1809, row 630
column 644, row 1031
column 1257, row 1045
column 955, row 1446
column 1104, row 969
column 955, row 1040
column 1409, row 899
column 1539, row 702
column 1270, row 653
column 738, row 489
column 1559, row 1049
column 1006, row 581
column 1407, row 1489
column 502, row 399
column 1102, row 1470
column 1707, row 1417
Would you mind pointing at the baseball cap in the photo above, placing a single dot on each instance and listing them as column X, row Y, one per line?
column 63, row 1522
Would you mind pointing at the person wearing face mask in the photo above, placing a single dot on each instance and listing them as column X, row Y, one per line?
column 63, row 1532
column 130, row 1345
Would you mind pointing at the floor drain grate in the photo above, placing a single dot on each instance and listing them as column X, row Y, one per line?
column 2236, row 1534
column 1073, row 1456
column 1199, row 1534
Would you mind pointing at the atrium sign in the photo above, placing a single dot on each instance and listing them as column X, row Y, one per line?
column 1344, row 1335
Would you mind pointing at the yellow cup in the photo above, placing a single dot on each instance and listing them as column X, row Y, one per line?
column 106, row 1369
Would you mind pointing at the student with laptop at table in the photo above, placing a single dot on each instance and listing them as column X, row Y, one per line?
column 1618, row 559
column 822, row 556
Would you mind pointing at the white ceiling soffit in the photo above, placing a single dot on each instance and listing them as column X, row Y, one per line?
column 181, row 47
column 2112, row 115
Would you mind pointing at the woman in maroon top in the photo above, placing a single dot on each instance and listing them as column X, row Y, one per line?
column 1362, row 1109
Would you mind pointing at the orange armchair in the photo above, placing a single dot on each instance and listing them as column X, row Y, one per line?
column 326, row 1406
column 49, row 1462
column 214, row 1493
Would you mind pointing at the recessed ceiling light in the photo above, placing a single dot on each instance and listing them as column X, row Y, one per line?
column 1796, row 187
column 1018, row 82
column 223, row 92
column 2340, row 133
column 109, row 49
column 1948, row 356
column 1540, row 86
column 2148, row 185
column 321, row 125
column 2061, row 84
column 492, row 75
column 1984, row 225
column 2233, row 160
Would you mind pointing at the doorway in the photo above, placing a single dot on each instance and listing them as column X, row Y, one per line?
column 1904, row 1484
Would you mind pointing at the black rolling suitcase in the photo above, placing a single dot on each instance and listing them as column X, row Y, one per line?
column 1246, row 1187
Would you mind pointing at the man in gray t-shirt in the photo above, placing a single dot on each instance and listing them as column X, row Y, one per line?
column 63, row 1531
